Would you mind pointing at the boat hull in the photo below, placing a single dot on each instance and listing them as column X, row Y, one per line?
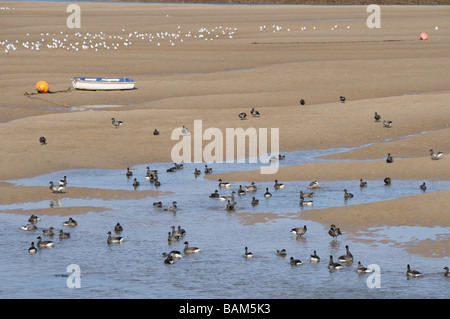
column 95, row 84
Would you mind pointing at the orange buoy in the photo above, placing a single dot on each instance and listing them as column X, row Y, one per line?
column 42, row 87
column 423, row 36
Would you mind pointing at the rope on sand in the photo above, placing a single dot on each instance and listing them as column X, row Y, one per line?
column 35, row 94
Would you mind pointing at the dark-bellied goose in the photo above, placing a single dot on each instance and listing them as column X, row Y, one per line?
column 251, row 188
column 255, row 113
column 178, row 166
column 151, row 171
column 299, row 231
column 171, row 237
column 347, row 194
column 56, row 188
column 387, row 181
column 389, row 158
column 255, row 201
column 70, row 222
column 116, row 124
column 281, row 252
column 44, row 243
column 169, row 260
column 231, row 206
column 314, row 258
column 215, row 194
column 423, row 187
column 281, row 157
column 156, row 132
column 241, row 191
column 63, row 235
column 347, row 258
column 118, row 228
column 334, row 265
column 172, row 208
column 171, row 169
column 190, row 250
column 135, row 182
column 362, row 183
column 410, row 272
column 228, row 198
column 173, row 254
column 43, row 140
column 447, row 273
column 278, row 185
column 208, row 170
column 243, row 115
column 157, row 183
column 306, row 194
column 181, row 231
column 48, row 232
column 377, row 117
column 63, row 182
column 158, row 204
column 32, row 250
column 129, row 173
column 224, row 184
column 334, row 231
column 267, row 194
column 247, row 254
column 114, row 240
column 304, row 202
column 197, row 172
column 314, row 184
column 29, row 227
column 34, row 219
column 342, row 99
column 295, row 262
column 362, row 269
column 176, row 232
column 436, row 156
column 387, row 123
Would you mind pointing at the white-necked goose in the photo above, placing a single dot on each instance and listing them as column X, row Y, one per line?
column 299, row 231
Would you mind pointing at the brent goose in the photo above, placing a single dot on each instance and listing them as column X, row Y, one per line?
column 116, row 124
column 436, row 156
column 48, row 232
column 255, row 201
column 172, row 208
column 281, row 252
column 278, row 185
column 173, row 254
column 377, row 117
column 446, row 274
column 314, row 258
column 333, row 265
column 230, row 206
column 62, row 234
column 44, row 243
column 423, row 187
column 156, row 132
column 56, row 188
column 254, row 113
column 241, row 191
column 314, row 184
column 362, row 183
column 389, row 158
column 118, row 228
column 347, row 258
column 347, row 194
column 267, row 194
column 63, row 182
column 307, row 194
column 169, row 260
column 190, row 250
column 334, row 231
column 70, row 222
column 304, row 202
column 342, row 99
column 29, row 227
column 32, row 250
column 215, row 194
column 302, row 102
column 299, row 231
column 224, row 184
column 247, row 254
column 208, row 170
column 243, row 115
column 43, row 140
column 361, row 268
column 114, row 240
column 171, row 237
column 387, row 123
column 34, row 219
column 129, row 173
column 185, row 130
column 387, row 181
column 295, row 262
column 157, row 204
column 135, row 183
column 251, row 188
column 412, row 272
column 228, row 198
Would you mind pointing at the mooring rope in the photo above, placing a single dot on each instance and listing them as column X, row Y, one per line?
column 34, row 94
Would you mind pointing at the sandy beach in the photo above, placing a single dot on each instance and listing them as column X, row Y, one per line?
column 387, row 70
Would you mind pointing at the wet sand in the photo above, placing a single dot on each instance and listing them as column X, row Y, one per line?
column 387, row 70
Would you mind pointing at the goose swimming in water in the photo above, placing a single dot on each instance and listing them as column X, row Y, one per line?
column 171, row 237
column 118, row 228
column 314, row 258
column 129, row 173
column 34, row 219
column 281, row 252
column 197, row 172
column 32, row 250
column 63, row 235
column 251, row 188
column 387, row 181
column 247, row 254
column 436, row 156
column 334, row 265
column 362, row 183
column 389, row 158
column 158, row 204
column 172, row 208
column 347, row 258
column 178, row 166
column 190, row 250
column 255, row 201
column 387, row 123
column 70, row 222
column 362, row 269
column 241, row 191
column 29, row 227
column 412, row 272
column 215, row 194
column 306, row 194
column 231, row 206
column 304, row 202
column 423, row 187
column 228, row 198
column 114, row 240
column 314, row 184
column 208, row 170
column 135, row 183
column 181, row 231
column 278, row 185
column 295, row 262
column 267, row 194
column 447, row 273
column 347, row 194
column 43, row 140
column 169, row 260
column 173, row 254
column 48, row 232
column 299, row 231
column 377, row 117
column 116, row 124
column 224, row 184
column 334, row 231
column 56, row 188
column 44, row 243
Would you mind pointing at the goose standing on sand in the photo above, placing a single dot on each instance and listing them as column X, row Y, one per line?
column 334, row 265
column 118, row 228
column 295, row 262
column 116, row 124
column 334, row 231
column 267, row 194
column 129, row 173
column 43, row 140
column 63, row 182
column 70, row 222
column 224, row 184
column 243, row 116
column 347, row 258
column 436, row 156
column 314, row 258
column 114, row 240
column 314, row 184
column 63, row 235
column 254, row 112
column 278, row 185
column 447, row 273
column 32, row 250
column 44, row 243
column 215, row 194
column 56, row 188
column 156, row 132
column 412, row 272
column 362, row 183
column 190, row 250
column 299, row 231
column 255, row 201
column 389, row 158
column 387, row 123
column 387, row 181
column 281, row 253
column 347, row 195
column 307, row 194
column 342, row 99
column 48, row 232
column 247, row 254
column 423, row 187
column 377, row 117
